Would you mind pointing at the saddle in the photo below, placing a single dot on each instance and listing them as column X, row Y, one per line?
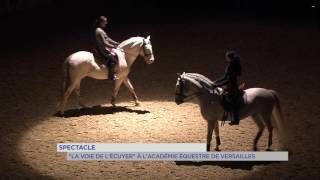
column 102, row 60
column 229, row 101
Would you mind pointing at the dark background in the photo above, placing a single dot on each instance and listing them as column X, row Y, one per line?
column 25, row 22
column 277, row 41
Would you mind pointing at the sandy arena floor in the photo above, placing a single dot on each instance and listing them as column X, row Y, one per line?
column 283, row 57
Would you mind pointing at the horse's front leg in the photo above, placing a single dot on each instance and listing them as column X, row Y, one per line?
column 116, row 88
column 131, row 89
column 216, row 131
column 209, row 134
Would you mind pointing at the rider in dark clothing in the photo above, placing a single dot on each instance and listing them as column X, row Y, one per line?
column 104, row 44
column 229, row 80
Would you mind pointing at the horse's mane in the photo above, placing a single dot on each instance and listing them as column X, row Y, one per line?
column 133, row 41
column 201, row 79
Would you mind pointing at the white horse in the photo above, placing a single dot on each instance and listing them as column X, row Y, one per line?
column 83, row 64
column 260, row 104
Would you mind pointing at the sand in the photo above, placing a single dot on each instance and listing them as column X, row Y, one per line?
column 283, row 57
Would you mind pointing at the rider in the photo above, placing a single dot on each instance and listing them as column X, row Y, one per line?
column 104, row 44
column 229, row 79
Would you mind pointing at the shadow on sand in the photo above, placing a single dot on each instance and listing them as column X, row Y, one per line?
column 98, row 110
column 245, row 165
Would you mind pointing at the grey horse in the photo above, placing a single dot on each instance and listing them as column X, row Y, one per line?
column 261, row 104
column 83, row 64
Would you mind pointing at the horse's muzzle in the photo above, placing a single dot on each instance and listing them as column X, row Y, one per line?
column 150, row 61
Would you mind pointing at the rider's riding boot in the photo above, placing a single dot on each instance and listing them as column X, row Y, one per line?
column 112, row 74
column 236, row 118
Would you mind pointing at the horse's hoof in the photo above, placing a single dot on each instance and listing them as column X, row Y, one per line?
column 269, row 149
column 255, row 149
column 113, row 103
column 137, row 104
column 59, row 114
column 217, row 149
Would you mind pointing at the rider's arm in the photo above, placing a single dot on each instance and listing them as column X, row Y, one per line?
column 222, row 81
column 102, row 39
column 111, row 41
column 106, row 42
column 114, row 42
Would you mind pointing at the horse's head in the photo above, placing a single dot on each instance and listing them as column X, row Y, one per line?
column 191, row 85
column 147, row 51
column 186, row 88
column 135, row 46
column 180, row 88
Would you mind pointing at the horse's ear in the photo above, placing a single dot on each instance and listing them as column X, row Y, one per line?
column 148, row 37
column 179, row 74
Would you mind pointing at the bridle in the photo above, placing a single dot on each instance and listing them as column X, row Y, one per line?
column 145, row 53
column 184, row 97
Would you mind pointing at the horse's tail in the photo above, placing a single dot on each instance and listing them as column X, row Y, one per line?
column 66, row 76
column 281, row 124
column 65, row 82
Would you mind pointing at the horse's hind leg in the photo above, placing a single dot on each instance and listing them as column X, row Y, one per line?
column 66, row 96
column 267, row 121
column 77, row 91
column 216, row 131
column 128, row 84
column 257, row 119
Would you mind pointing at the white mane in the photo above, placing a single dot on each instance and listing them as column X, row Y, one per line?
column 133, row 41
column 204, row 81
